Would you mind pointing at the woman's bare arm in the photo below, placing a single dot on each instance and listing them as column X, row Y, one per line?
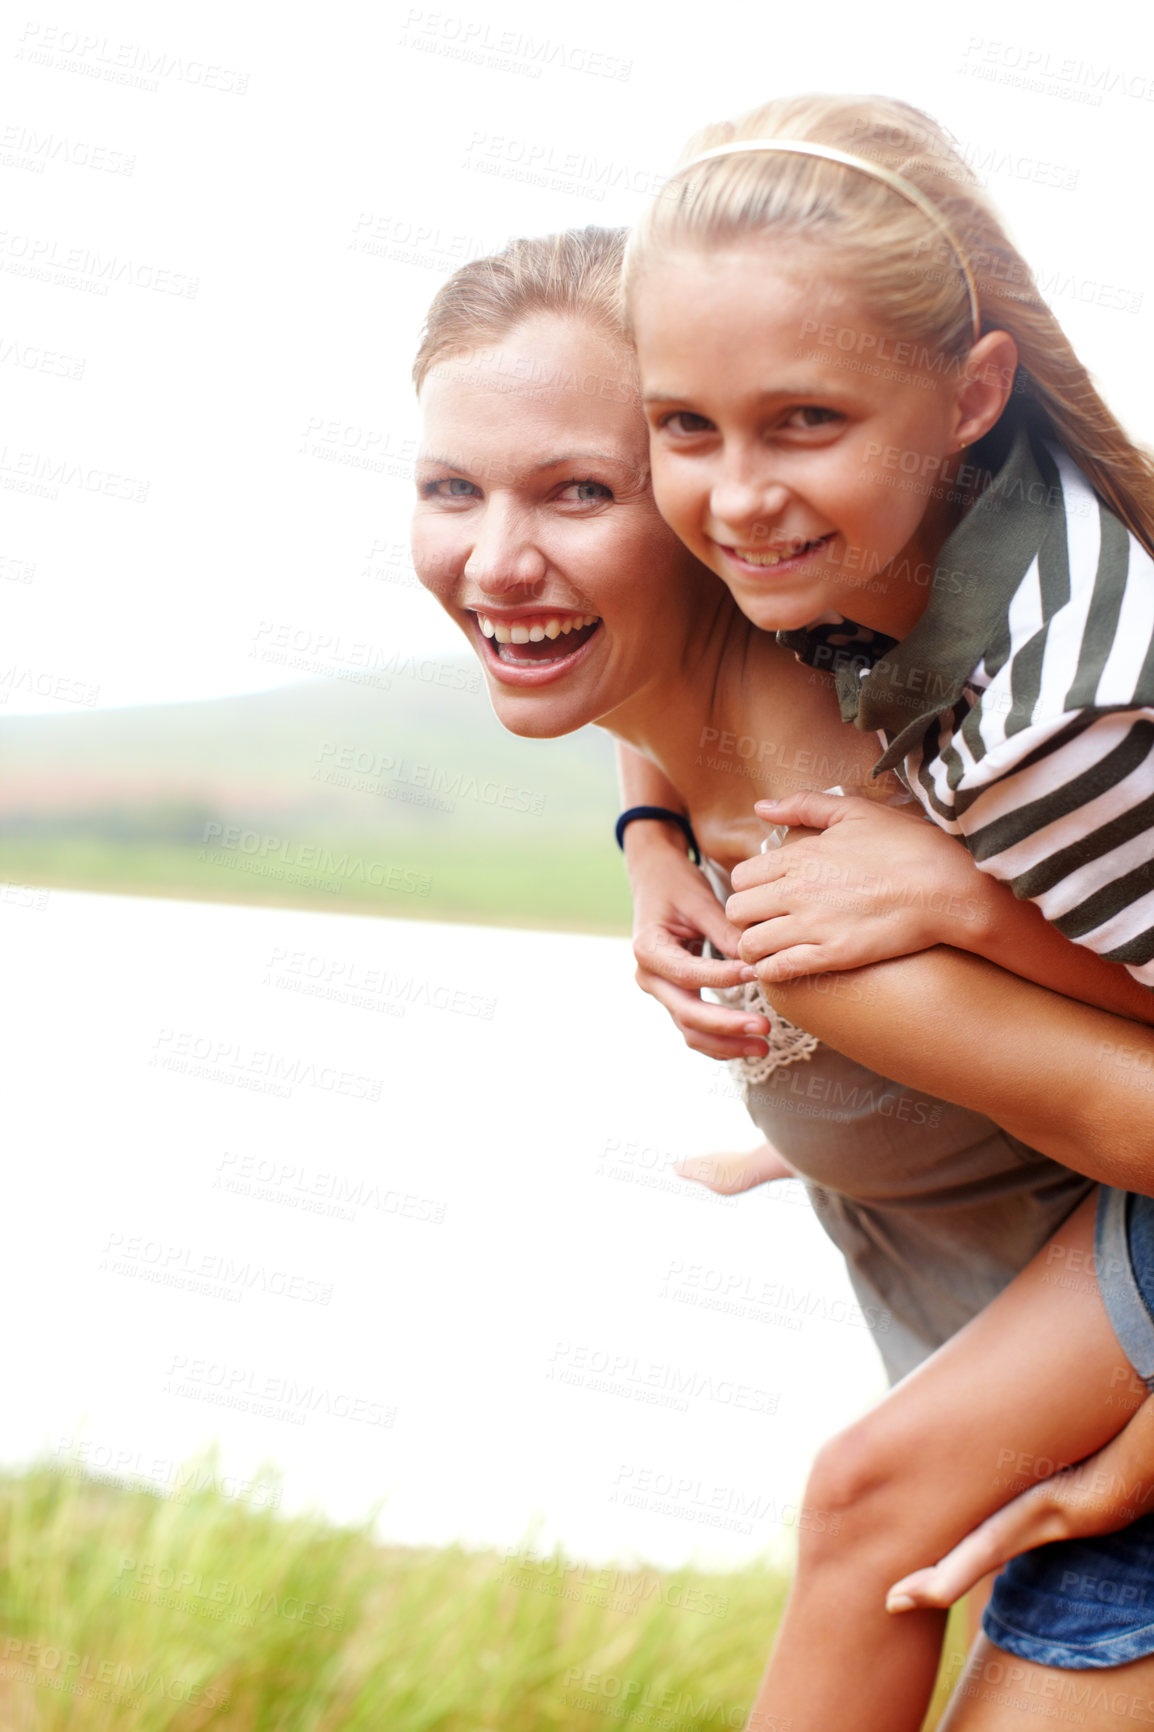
column 674, row 912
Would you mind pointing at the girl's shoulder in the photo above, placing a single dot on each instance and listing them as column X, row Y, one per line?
column 1075, row 631
column 1107, row 565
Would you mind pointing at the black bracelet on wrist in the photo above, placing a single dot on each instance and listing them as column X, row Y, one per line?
column 669, row 817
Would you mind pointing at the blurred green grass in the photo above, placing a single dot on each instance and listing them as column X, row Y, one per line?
column 574, row 884
column 402, row 788
column 208, row 1612
column 126, row 1612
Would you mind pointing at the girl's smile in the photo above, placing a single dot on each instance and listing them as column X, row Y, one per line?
column 809, row 477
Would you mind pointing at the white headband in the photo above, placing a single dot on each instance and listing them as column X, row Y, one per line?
column 905, row 189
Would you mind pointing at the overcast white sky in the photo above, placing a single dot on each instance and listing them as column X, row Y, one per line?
column 220, row 226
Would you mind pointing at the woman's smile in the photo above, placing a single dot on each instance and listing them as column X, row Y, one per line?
column 532, row 647
column 538, row 531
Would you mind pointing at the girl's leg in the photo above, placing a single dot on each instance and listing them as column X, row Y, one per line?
column 1036, row 1381
column 999, row 1693
column 975, row 1604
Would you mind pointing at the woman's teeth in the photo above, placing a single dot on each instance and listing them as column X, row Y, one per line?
column 538, row 631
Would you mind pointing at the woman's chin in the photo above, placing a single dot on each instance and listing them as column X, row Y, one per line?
column 544, row 715
column 543, row 698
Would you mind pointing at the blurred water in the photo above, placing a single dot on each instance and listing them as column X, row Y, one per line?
column 388, row 1203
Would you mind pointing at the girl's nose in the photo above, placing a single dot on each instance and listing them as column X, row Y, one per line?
column 741, row 502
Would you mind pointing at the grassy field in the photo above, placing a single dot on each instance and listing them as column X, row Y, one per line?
column 562, row 883
column 412, row 802
column 126, row 1612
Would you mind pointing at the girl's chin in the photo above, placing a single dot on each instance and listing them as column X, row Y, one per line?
column 774, row 613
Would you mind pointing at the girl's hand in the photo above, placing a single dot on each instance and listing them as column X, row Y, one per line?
column 1102, row 1494
column 875, row 882
column 674, row 912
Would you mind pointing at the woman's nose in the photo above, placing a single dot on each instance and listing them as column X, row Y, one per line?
column 501, row 571
column 504, row 556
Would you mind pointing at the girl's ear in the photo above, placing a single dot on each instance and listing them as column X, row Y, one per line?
column 986, row 382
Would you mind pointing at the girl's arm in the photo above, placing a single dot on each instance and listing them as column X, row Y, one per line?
column 1072, row 1081
column 875, row 882
column 674, row 912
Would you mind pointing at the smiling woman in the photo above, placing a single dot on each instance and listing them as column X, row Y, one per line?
column 540, row 554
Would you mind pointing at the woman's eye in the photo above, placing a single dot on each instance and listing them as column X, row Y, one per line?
column 585, row 492
column 811, row 415
column 449, row 487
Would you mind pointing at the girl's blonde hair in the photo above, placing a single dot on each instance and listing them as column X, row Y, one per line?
column 900, row 264
column 575, row 275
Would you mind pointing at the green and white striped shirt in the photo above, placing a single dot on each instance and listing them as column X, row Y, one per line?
column 1020, row 708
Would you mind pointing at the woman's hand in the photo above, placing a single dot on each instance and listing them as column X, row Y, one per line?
column 873, row 883
column 1102, row 1494
column 674, row 912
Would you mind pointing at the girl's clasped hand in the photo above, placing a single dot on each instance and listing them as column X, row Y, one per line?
column 871, row 882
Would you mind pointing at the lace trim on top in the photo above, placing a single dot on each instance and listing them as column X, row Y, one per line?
column 785, row 1044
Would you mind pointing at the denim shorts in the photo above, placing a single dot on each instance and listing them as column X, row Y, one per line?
column 1088, row 1603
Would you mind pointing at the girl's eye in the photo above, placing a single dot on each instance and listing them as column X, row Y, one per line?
column 449, row 487
column 685, row 421
column 585, row 492
column 811, row 415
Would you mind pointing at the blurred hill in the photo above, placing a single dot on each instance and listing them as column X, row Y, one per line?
column 405, row 796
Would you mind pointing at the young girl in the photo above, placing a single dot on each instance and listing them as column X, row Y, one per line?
column 861, row 410
column 536, row 529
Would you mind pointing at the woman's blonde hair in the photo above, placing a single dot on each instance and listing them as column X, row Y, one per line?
column 901, row 264
column 575, row 275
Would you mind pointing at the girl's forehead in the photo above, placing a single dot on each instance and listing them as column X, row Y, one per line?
column 753, row 268
column 695, row 311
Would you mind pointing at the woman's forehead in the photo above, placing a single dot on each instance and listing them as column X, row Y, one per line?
column 554, row 382
column 548, row 350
